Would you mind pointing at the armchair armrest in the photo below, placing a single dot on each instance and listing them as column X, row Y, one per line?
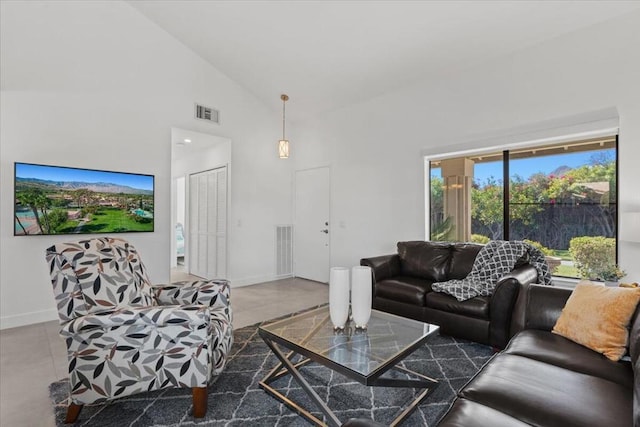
column 383, row 267
column 503, row 301
column 212, row 293
column 193, row 316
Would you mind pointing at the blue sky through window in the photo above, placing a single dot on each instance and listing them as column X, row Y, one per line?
column 57, row 173
column 532, row 165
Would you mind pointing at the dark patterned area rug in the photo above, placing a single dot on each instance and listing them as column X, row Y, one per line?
column 236, row 399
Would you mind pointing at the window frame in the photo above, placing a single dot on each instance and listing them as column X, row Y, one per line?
column 506, row 150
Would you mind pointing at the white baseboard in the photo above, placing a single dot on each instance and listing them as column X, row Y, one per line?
column 248, row 281
column 30, row 318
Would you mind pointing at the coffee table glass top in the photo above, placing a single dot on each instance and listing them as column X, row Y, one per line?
column 362, row 351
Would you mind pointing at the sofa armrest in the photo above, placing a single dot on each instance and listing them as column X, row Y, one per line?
column 538, row 307
column 500, row 310
column 382, row 267
column 523, row 275
column 503, row 301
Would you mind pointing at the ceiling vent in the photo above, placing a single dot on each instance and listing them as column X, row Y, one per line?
column 207, row 113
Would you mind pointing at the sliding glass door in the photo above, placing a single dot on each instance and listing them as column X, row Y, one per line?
column 562, row 198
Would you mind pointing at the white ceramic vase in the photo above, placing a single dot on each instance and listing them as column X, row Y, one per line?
column 361, row 295
column 339, row 296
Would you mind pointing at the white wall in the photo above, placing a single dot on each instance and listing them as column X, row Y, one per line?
column 97, row 85
column 202, row 159
column 374, row 148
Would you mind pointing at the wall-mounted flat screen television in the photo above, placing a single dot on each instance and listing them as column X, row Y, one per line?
column 64, row 200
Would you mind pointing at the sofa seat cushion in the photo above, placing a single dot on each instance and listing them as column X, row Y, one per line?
column 541, row 394
column 477, row 307
column 557, row 350
column 411, row 290
column 466, row 413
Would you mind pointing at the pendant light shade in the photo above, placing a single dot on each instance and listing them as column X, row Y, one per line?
column 283, row 149
column 283, row 144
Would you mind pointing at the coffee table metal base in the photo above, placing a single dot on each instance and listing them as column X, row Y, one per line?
column 287, row 367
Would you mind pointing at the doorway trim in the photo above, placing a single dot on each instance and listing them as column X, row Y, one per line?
column 206, row 152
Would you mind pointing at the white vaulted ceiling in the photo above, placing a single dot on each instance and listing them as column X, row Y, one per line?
column 328, row 54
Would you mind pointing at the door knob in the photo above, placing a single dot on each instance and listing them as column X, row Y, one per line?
column 325, row 231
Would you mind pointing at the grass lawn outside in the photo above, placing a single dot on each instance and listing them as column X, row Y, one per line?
column 67, row 227
column 562, row 253
column 114, row 219
column 107, row 220
column 566, row 271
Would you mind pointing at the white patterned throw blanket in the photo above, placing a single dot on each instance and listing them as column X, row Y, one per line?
column 493, row 262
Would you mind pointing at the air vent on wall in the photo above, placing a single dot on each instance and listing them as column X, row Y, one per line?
column 207, row 113
column 284, row 250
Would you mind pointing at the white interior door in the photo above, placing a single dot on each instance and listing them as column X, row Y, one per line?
column 311, row 230
column 207, row 256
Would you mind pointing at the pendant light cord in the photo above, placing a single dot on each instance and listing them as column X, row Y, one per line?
column 284, row 101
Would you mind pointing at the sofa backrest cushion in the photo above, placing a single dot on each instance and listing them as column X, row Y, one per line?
column 543, row 306
column 427, row 260
column 462, row 257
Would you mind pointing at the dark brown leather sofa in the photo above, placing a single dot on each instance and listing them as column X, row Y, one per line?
column 542, row 379
column 402, row 286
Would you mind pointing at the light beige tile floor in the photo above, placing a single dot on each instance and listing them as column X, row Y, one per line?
column 32, row 357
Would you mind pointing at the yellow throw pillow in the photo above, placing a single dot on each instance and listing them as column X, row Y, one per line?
column 598, row 317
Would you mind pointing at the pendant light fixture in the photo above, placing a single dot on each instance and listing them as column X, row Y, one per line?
column 283, row 144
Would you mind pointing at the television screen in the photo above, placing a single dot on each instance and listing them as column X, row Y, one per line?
column 62, row 200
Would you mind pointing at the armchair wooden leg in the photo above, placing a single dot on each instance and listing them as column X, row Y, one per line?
column 199, row 402
column 73, row 411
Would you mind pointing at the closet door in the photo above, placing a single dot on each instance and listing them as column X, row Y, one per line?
column 208, row 223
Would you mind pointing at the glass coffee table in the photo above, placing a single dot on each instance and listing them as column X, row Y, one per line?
column 366, row 356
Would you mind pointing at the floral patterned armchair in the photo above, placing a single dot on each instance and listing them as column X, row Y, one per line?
column 125, row 336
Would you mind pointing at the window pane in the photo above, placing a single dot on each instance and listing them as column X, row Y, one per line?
column 466, row 199
column 487, row 199
column 440, row 226
column 558, row 197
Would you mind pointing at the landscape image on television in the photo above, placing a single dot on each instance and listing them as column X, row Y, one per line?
column 62, row 200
